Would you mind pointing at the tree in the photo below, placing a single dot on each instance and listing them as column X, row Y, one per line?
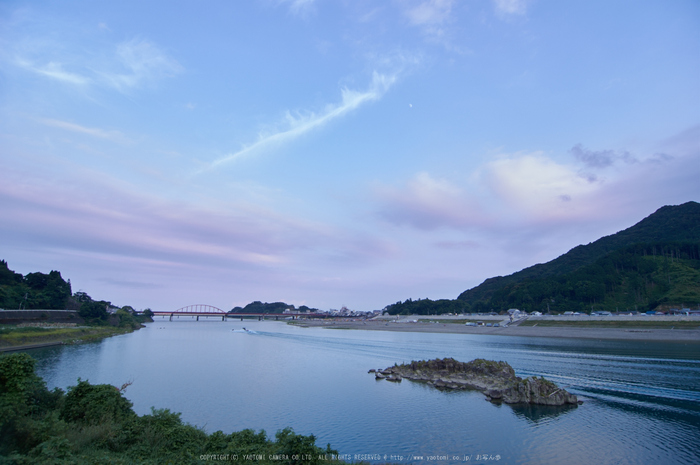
column 94, row 310
column 95, row 403
column 81, row 296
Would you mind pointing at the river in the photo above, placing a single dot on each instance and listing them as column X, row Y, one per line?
column 641, row 400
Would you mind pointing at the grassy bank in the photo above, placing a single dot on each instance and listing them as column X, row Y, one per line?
column 14, row 337
column 615, row 324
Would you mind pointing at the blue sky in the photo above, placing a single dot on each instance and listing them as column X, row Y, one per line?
column 328, row 153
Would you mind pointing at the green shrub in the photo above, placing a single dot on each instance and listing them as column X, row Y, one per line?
column 88, row 403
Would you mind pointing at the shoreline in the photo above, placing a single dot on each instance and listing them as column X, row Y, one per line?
column 78, row 335
column 681, row 336
column 30, row 346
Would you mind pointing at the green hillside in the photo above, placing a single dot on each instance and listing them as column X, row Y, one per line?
column 653, row 264
column 641, row 277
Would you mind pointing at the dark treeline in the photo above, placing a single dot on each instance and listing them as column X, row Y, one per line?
column 96, row 424
column 427, row 307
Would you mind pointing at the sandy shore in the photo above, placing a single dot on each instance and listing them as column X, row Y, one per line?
column 666, row 335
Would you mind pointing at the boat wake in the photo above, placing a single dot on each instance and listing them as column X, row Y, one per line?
column 248, row 331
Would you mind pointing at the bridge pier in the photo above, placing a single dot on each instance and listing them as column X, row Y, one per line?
column 171, row 317
column 197, row 317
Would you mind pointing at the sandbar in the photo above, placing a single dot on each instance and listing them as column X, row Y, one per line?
column 635, row 334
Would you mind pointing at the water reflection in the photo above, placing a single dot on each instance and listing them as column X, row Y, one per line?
column 540, row 413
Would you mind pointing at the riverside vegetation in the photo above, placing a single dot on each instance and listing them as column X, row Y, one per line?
column 91, row 424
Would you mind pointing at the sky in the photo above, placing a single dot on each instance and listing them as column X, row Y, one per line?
column 334, row 153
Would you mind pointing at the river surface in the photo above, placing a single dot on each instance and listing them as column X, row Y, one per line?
column 641, row 400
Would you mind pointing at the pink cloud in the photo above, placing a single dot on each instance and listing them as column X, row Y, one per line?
column 427, row 203
column 534, row 193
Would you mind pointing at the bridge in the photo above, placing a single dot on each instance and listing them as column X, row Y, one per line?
column 211, row 311
column 194, row 310
column 277, row 316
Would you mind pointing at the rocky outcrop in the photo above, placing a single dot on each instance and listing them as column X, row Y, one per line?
column 497, row 380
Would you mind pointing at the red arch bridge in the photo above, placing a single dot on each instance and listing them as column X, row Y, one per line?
column 194, row 310
column 211, row 311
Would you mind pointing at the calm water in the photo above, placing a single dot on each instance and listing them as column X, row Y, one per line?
column 642, row 400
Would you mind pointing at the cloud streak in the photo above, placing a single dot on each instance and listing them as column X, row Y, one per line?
column 298, row 126
column 430, row 13
column 510, row 7
column 56, row 71
column 95, row 132
column 133, row 64
column 122, row 225
column 299, row 7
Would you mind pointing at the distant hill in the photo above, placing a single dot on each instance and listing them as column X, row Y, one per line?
column 275, row 307
column 655, row 263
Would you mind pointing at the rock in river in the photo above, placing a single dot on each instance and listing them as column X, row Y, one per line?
column 496, row 380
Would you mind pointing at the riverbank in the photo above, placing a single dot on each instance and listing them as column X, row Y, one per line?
column 630, row 332
column 17, row 338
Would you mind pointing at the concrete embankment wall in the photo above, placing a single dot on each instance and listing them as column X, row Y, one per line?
column 35, row 316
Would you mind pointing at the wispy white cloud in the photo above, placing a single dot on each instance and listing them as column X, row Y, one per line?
column 55, row 70
column 300, row 7
column 131, row 64
column 301, row 124
column 141, row 62
column 430, row 15
column 430, row 12
column 510, row 7
column 95, row 132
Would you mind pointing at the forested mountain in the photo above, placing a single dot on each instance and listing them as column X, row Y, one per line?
column 653, row 263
